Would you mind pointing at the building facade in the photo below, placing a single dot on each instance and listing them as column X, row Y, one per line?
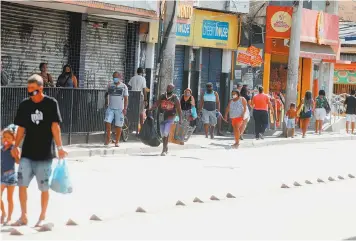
column 95, row 37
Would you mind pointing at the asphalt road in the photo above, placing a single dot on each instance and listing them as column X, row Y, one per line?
column 112, row 188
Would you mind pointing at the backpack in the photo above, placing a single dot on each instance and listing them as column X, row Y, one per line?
column 62, row 81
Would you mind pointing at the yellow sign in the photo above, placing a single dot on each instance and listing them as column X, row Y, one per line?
column 209, row 29
column 281, row 22
column 185, row 11
column 320, row 28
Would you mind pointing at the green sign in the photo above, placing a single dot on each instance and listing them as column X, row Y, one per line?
column 344, row 77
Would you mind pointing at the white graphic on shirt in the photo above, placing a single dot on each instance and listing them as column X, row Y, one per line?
column 37, row 117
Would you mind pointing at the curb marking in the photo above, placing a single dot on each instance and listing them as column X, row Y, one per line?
column 330, row 179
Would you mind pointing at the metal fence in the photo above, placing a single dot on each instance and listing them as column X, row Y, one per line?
column 82, row 110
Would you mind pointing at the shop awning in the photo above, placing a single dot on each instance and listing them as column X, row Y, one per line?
column 315, row 51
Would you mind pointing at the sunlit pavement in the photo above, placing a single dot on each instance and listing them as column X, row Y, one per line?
column 113, row 188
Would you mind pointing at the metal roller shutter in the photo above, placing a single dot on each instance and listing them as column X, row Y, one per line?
column 215, row 58
column 211, row 68
column 179, row 69
column 29, row 36
column 105, row 50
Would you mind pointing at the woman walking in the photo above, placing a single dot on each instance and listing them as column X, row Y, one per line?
column 244, row 94
column 187, row 104
column 307, row 107
column 237, row 108
column 321, row 104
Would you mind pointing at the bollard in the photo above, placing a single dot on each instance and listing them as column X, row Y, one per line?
column 140, row 210
column 320, row 180
column 340, row 177
column 331, row 179
column 284, row 186
column 213, row 198
column 351, row 176
column 197, row 200
column 95, row 218
column 229, row 195
column 180, row 203
column 297, row 184
column 308, row 182
column 70, row 222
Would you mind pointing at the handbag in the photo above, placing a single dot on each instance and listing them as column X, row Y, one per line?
column 327, row 107
column 194, row 113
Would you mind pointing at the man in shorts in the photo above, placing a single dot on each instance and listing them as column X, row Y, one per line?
column 117, row 99
column 39, row 117
column 350, row 103
column 209, row 107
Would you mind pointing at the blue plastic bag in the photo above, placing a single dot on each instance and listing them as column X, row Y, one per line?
column 194, row 112
column 61, row 182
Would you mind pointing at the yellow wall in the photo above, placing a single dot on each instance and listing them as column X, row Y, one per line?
column 266, row 72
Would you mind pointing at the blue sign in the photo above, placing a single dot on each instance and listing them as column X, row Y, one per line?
column 215, row 30
column 350, row 38
column 183, row 30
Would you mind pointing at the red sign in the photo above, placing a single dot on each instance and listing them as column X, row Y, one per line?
column 244, row 58
column 256, row 61
column 253, row 51
column 278, row 22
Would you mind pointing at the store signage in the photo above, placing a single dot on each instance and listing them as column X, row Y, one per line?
column 250, row 56
column 215, row 30
column 281, row 21
column 278, row 22
column 185, row 11
column 344, row 77
column 183, row 29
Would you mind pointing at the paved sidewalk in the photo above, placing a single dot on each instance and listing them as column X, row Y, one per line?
column 198, row 142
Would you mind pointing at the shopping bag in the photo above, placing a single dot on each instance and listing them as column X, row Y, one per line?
column 194, row 113
column 148, row 133
column 176, row 134
column 61, row 182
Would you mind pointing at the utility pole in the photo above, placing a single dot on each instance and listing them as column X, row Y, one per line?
column 166, row 74
column 294, row 53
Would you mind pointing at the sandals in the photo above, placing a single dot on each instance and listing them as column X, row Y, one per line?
column 19, row 223
column 3, row 219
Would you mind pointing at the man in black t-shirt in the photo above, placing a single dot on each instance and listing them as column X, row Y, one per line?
column 350, row 103
column 38, row 116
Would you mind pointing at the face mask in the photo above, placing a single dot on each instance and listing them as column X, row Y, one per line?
column 187, row 94
column 33, row 93
column 234, row 96
column 116, row 80
column 6, row 143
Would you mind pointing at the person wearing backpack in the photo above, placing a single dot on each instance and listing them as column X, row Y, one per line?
column 67, row 79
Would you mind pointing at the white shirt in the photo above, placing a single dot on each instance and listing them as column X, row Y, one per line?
column 116, row 95
column 138, row 83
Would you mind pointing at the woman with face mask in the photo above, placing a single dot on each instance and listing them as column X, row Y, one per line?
column 187, row 103
column 236, row 109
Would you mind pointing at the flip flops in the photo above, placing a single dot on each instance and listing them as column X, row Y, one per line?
column 19, row 223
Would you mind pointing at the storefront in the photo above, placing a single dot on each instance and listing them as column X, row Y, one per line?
column 319, row 38
column 205, row 36
column 29, row 37
column 344, row 78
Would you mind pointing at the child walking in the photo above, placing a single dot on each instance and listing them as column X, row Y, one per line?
column 291, row 115
column 236, row 108
column 8, row 175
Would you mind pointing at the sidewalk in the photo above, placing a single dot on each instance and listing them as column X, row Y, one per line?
column 199, row 142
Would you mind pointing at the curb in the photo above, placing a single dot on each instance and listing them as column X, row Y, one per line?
column 247, row 144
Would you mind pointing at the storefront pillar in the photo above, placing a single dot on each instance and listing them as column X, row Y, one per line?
column 187, row 66
column 225, row 79
column 307, row 72
column 199, row 63
column 266, row 72
column 149, row 64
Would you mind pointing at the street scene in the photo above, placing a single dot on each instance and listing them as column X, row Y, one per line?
column 178, row 119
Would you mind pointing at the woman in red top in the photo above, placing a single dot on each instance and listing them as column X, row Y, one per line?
column 260, row 103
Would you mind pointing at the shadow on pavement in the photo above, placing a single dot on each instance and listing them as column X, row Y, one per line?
column 352, row 238
column 226, row 146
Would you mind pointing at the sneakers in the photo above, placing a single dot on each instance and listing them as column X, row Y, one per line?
column 261, row 136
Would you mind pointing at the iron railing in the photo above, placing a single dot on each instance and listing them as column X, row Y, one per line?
column 82, row 110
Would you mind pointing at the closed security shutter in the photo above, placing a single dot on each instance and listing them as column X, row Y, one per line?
column 179, row 69
column 29, row 36
column 105, row 50
column 211, row 68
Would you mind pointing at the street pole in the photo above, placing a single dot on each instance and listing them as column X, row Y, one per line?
column 294, row 53
column 167, row 65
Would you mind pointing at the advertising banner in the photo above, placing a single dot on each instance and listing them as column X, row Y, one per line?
column 345, row 77
column 278, row 22
column 209, row 29
column 250, row 56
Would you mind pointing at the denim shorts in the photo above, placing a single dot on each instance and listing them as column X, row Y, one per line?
column 291, row 123
column 28, row 169
column 9, row 178
column 116, row 114
column 165, row 127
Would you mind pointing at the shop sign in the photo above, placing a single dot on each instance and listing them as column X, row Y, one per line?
column 344, row 77
column 208, row 29
column 185, row 11
column 215, row 30
column 251, row 56
column 279, row 22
